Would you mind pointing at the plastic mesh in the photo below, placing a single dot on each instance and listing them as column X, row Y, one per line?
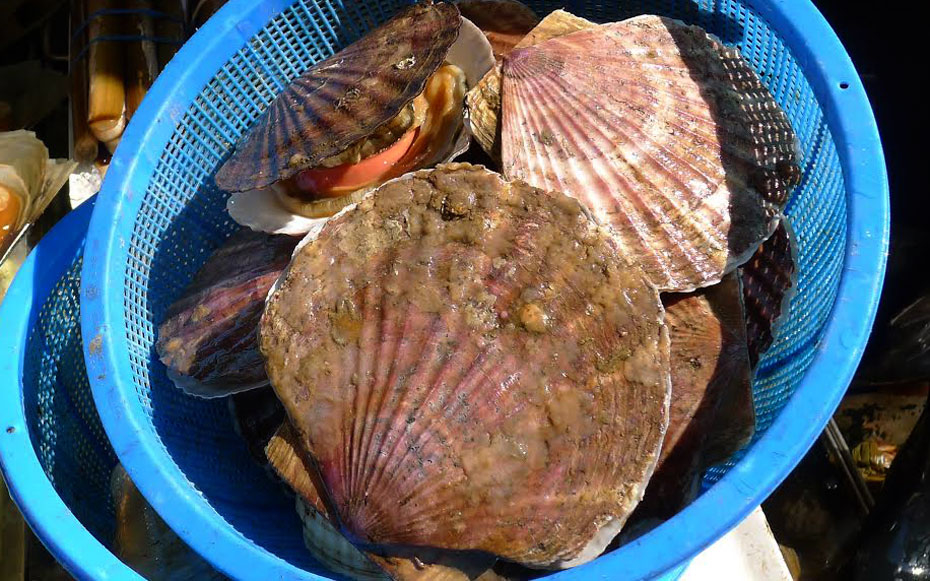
column 182, row 219
column 64, row 427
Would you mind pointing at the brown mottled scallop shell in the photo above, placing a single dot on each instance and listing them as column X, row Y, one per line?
column 711, row 413
column 664, row 133
column 472, row 366
column 343, row 98
column 769, row 281
column 209, row 336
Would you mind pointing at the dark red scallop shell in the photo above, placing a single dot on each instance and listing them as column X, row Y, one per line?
column 343, row 98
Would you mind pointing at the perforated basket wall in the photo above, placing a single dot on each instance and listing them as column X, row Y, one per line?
column 55, row 453
column 160, row 216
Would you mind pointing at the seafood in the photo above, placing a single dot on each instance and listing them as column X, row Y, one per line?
column 473, row 376
column 769, row 282
column 484, row 100
column 666, row 135
column 208, row 338
column 29, row 180
column 387, row 104
column 504, row 22
column 473, row 367
column 332, row 549
column 711, row 413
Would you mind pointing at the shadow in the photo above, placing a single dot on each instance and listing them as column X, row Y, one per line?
column 63, row 424
column 713, row 411
column 758, row 147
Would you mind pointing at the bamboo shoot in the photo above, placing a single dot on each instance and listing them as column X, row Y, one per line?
column 107, row 96
column 84, row 143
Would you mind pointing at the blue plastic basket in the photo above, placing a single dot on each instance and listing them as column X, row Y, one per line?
column 160, row 216
column 55, row 456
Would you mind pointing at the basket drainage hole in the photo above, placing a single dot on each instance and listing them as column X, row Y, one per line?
column 10, row 430
column 844, row 85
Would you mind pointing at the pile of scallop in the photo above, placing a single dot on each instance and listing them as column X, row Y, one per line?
column 467, row 371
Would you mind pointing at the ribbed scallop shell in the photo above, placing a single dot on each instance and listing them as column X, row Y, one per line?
column 333, row 549
column 769, row 281
column 484, row 100
column 473, row 367
column 664, row 133
column 262, row 210
column 711, row 413
column 343, row 98
column 321, row 537
column 209, row 336
column 504, row 22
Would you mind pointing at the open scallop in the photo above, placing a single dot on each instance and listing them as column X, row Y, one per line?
column 390, row 103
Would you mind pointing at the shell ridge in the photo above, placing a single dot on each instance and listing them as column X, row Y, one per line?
column 619, row 204
column 770, row 276
column 286, row 128
column 470, row 380
column 630, row 189
column 395, row 431
column 568, row 135
column 364, row 381
column 371, row 472
column 475, row 379
column 445, row 372
column 388, row 342
column 684, row 72
column 527, row 145
column 634, row 140
column 627, row 188
column 436, row 30
column 543, row 272
column 351, row 445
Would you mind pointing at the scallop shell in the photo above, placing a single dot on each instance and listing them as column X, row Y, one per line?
column 343, row 98
column 711, row 414
column 504, row 22
column 769, row 283
column 261, row 209
column 664, row 133
column 473, row 367
column 321, row 537
column 484, row 99
column 556, row 23
column 334, row 550
column 208, row 338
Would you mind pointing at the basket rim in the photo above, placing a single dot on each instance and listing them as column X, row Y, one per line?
column 49, row 517
column 835, row 82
